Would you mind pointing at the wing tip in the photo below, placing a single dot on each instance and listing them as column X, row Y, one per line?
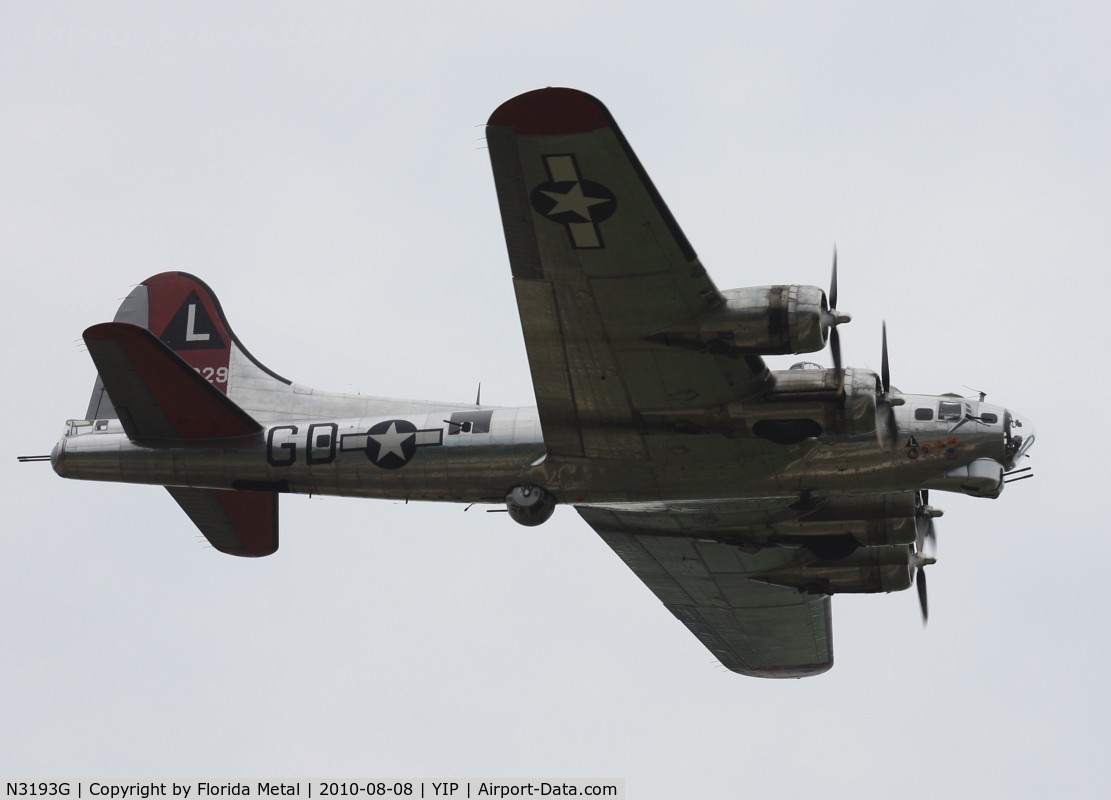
column 552, row 111
column 788, row 671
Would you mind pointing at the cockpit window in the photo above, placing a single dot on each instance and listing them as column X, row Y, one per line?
column 949, row 409
column 1018, row 435
column 76, row 427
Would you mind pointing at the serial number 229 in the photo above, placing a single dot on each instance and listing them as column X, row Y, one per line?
column 213, row 374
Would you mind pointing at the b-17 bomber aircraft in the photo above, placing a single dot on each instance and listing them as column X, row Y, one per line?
column 741, row 496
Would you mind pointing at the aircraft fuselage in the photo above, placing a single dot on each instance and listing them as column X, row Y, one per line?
column 477, row 454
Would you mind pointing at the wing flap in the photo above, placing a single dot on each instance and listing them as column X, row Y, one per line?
column 239, row 523
column 157, row 395
column 553, row 387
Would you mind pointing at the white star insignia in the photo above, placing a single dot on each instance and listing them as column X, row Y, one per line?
column 574, row 201
column 391, row 441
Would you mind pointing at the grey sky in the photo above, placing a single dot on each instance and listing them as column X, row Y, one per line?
column 321, row 166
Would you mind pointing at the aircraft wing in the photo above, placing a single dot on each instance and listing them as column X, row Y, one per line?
column 714, row 588
column 600, row 266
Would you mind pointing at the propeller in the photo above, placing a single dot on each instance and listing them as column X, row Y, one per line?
column 832, row 318
column 885, row 367
column 886, row 429
column 924, row 515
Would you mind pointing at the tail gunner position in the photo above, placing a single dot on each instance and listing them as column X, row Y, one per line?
column 743, row 497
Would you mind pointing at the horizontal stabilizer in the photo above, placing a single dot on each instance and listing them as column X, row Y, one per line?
column 156, row 394
column 235, row 522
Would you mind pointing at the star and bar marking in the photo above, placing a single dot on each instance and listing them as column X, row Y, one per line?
column 569, row 200
column 393, row 443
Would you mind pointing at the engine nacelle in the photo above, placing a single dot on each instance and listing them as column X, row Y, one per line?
column 529, row 505
column 872, row 520
column 799, row 406
column 770, row 320
column 868, row 570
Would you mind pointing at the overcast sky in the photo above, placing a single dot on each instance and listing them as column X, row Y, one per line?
column 322, row 167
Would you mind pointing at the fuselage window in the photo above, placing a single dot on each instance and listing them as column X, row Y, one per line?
column 923, row 414
column 949, row 409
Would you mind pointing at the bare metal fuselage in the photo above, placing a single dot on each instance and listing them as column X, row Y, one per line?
column 428, row 455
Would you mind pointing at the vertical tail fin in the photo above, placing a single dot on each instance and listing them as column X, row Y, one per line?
column 181, row 311
column 162, row 400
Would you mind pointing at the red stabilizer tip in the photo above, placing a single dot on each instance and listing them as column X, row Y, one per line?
column 552, row 112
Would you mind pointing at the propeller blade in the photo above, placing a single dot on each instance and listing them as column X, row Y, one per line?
column 921, row 524
column 924, row 538
column 885, row 369
column 886, row 429
column 925, row 535
column 920, row 579
column 831, row 317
